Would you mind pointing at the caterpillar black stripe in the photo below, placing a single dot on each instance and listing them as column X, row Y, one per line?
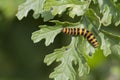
column 80, row 31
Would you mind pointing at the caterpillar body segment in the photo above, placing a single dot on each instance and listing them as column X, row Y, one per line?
column 80, row 31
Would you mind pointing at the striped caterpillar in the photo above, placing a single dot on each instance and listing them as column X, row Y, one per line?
column 80, row 31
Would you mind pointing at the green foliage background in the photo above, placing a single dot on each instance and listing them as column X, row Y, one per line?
column 21, row 59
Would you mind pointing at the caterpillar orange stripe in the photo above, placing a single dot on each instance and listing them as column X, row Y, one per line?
column 80, row 31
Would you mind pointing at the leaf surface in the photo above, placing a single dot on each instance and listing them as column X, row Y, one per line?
column 47, row 33
column 110, row 11
column 68, row 56
column 76, row 7
column 35, row 5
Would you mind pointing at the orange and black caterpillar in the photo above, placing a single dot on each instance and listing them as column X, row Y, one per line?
column 80, row 31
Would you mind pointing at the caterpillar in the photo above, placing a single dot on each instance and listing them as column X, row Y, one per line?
column 80, row 31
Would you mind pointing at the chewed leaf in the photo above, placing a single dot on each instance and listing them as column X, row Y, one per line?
column 48, row 33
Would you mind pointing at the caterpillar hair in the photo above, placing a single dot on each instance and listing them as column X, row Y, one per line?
column 80, row 31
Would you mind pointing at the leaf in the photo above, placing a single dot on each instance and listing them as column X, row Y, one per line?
column 49, row 32
column 46, row 32
column 107, row 17
column 35, row 5
column 110, row 11
column 112, row 30
column 92, row 23
column 91, row 19
column 105, row 45
column 68, row 56
column 76, row 7
column 117, row 16
column 114, row 41
column 47, row 15
column 97, row 59
column 72, row 57
column 116, row 49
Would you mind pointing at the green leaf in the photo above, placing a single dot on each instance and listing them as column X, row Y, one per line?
column 35, row 5
column 47, row 15
column 68, row 56
column 114, row 41
column 117, row 16
column 97, row 59
column 46, row 32
column 76, row 7
column 116, row 49
column 107, row 17
column 72, row 58
column 49, row 32
column 91, row 19
column 112, row 30
column 105, row 44
column 92, row 23
column 110, row 11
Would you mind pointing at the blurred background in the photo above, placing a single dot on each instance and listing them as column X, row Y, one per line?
column 21, row 59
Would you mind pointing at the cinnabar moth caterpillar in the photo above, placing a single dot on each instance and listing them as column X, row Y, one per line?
column 80, row 31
